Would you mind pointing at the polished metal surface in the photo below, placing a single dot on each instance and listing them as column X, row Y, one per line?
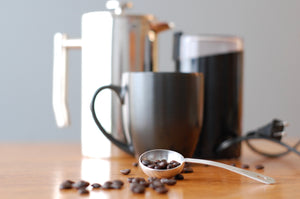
column 159, row 154
column 131, row 51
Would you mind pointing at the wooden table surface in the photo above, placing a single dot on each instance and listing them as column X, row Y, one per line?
column 36, row 171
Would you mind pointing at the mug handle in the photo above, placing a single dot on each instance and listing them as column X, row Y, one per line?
column 118, row 90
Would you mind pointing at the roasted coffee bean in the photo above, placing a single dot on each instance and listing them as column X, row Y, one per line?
column 164, row 180
column 67, row 184
column 107, row 185
column 125, row 171
column 146, row 162
column 116, row 186
column 96, row 185
column 137, row 188
column 80, row 184
column 130, row 180
column 259, row 167
column 134, row 180
column 151, row 166
column 170, row 166
column 151, row 179
column 175, row 163
column 144, row 183
column 187, row 170
column 120, row 182
column 186, row 164
column 135, row 164
column 161, row 190
column 179, row 177
column 138, row 180
column 168, row 181
column 83, row 191
column 160, row 164
column 156, row 184
column 70, row 181
column 245, row 166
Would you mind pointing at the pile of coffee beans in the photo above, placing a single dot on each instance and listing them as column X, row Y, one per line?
column 160, row 164
column 139, row 185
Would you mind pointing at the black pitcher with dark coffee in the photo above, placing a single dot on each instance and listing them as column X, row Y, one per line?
column 220, row 59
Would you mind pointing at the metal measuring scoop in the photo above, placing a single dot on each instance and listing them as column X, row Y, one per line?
column 159, row 154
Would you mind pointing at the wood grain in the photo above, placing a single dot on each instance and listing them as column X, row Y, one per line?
column 36, row 170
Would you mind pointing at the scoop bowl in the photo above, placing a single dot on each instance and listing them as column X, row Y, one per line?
column 159, row 154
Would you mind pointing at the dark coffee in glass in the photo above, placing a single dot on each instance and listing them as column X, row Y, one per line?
column 220, row 59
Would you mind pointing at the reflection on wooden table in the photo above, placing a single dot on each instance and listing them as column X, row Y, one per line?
column 36, row 171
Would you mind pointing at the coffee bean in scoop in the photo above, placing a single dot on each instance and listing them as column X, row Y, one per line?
column 146, row 162
column 160, row 164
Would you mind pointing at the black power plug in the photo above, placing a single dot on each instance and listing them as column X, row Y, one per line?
column 274, row 129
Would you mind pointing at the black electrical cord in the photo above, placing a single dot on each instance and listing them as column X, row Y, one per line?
column 271, row 132
column 276, row 155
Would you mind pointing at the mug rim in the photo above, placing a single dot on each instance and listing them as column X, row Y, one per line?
column 164, row 73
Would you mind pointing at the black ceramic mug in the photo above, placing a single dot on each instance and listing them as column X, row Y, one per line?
column 159, row 110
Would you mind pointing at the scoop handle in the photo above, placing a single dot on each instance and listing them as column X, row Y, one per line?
column 250, row 174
